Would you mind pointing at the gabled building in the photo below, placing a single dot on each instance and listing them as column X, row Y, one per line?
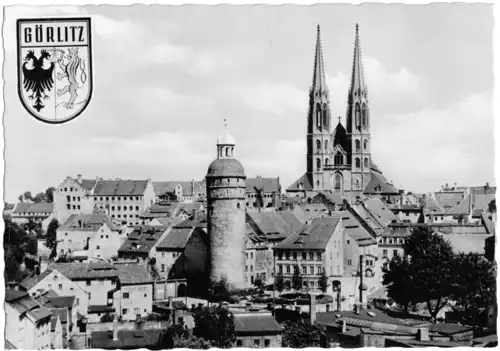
column 41, row 212
column 141, row 243
column 28, row 325
column 72, row 196
column 182, row 191
column 265, row 190
column 172, row 210
column 89, row 237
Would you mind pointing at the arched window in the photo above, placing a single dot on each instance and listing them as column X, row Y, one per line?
column 318, row 116
column 326, row 162
column 357, row 117
column 318, row 145
column 338, row 182
column 358, row 145
column 364, row 115
column 365, row 144
column 366, row 162
column 326, row 145
column 228, row 151
column 317, row 183
column 339, row 159
column 318, row 163
column 358, row 163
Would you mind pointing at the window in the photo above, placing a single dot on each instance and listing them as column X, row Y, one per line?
column 318, row 163
column 137, row 310
column 348, row 242
column 239, row 343
column 88, row 282
column 358, row 145
column 349, row 262
column 60, row 286
column 137, row 208
column 384, row 253
column 256, row 343
column 318, row 256
column 318, row 270
column 251, row 268
column 304, row 270
column 366, row 162
column 358, row 162
column 267, row 342
column 162, row 268
column 311, row 270
column 124, row 311
column 97, row 247
column 294, row 255
column 394, row 252
column 50, row 286
column 288, row 269
column 365, row 144
column 318, row 145
column 338, row 160
column 311, row 256
column 118, row 208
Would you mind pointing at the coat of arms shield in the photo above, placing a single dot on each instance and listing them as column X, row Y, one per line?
column 54, row 67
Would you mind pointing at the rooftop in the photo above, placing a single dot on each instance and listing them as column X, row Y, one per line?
column 176, row 238
column 142, row 239
column 313, row 236
column 188, row 188
column 129, row 339
column 120, row 187
column 27, row 208
column 268, row 185
column 255, row 323
column 275, row 224
column 86, row 222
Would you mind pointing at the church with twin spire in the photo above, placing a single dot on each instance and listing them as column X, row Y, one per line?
column 339, row 159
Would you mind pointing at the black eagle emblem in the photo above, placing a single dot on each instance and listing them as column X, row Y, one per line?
column 38, row 80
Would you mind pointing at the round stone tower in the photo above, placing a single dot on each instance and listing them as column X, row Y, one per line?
column 226, row 190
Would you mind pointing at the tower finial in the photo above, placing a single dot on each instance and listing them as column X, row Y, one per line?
column 225, row 123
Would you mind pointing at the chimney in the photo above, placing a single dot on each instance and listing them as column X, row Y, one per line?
column 312, row 308
column 194, row 216
column 115, row 328
column 344, row 326
column 423, row 334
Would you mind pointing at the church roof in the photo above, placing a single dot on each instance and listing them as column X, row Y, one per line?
column 304, row 181
column 379, row 184
column 340, row 136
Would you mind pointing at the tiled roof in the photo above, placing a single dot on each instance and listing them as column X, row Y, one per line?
column 171, row 209
column 163, row 187
column 177, row 238
column 380, row 211
column 12, row 295
column 225, row 167
column 133, row 273
column 62, row 301
column 255, row 323
column 142, row 239
column 120, row 187
column 313, row 236
column 30, row 282
column 304, row 212
column 448, row 199
column 86, row 222
column 354, row 228
column 268, row 185
column 363, row 319
column 370, row 219
column 378, row 181
column 448, row 328
column 199, row 222
column 61, row 312
column 77, row 271
column 127, row 339
column 33, row 207
column 305, row 181
column 87, row 184
column 274, row 224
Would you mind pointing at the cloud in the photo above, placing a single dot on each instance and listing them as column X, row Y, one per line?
column 276, row 98
column 422, row 150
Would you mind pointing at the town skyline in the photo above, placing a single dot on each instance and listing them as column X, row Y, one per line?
column 260, row 83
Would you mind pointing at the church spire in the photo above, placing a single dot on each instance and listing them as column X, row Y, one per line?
column 319, row 81
column 357, row 78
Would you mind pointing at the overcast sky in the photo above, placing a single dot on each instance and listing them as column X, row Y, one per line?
column 166, row 77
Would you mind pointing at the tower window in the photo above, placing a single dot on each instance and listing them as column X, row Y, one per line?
column 326, row 145
column 366, row 162
column 318, row 116
column 364, row 116
column 326, row 162
column 318, row 164
column 228, row 152
column 325, row 115
column 358, row 145
column 238, row 206
column 365, row 144
column 318, row 145
column 317, row 182
column 357, row 116
column 358, row 163
column 338, row 182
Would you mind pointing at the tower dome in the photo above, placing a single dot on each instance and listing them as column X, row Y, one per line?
column 225, row 139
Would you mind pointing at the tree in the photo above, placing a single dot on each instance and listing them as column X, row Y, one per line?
column 40, row 197
column 474, row 288
column 215, row 324
column 21, row 198
column 297, row 278
column 49, row 194
column 323, row 282
column 301, row 334
column 428, row 268
column 51, row 241
column 220, row 290
column 398, row 276
column 27, row 196
column 176, row 336
column 279, row 283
